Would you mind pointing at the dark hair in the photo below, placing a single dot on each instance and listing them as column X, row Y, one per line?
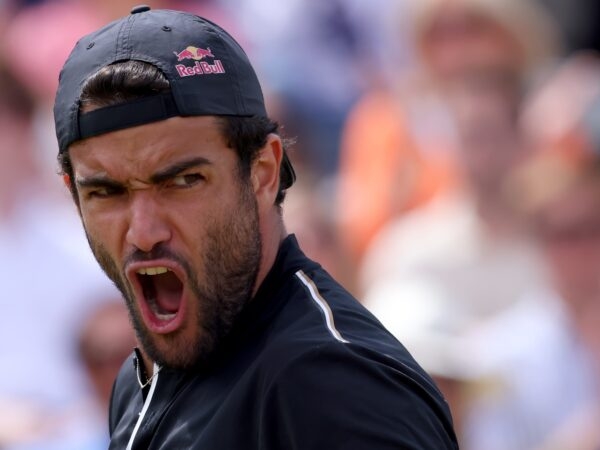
column 131, row 80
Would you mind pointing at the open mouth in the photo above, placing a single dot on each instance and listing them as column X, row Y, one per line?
column 162, row 290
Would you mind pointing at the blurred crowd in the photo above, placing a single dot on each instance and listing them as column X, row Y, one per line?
column 448, row 160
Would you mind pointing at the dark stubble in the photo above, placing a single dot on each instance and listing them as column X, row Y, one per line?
column 231, row 259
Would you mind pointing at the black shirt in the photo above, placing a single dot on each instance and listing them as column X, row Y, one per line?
column 306, row 367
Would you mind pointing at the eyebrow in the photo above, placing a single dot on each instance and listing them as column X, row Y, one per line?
column 97, row 181
column 156, row 178
column 175, row 169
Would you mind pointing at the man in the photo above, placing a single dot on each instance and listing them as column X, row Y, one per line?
column 179, row 176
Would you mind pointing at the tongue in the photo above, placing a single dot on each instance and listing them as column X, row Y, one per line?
column 168, row 291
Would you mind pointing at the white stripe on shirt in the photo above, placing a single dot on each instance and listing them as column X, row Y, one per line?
column 322, row 304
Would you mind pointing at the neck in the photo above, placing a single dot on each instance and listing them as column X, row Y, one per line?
column 273, row 232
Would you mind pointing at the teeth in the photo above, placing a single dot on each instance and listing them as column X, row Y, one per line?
column 161, row 315
column 153, row 270
column 165, row 316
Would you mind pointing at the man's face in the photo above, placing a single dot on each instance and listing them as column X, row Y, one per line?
column 462, row 43
column 173, row 224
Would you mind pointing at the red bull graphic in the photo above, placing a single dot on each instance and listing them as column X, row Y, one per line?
column 200, row 67
column 196, row 53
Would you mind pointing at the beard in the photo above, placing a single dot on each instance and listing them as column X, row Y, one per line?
column 230, row 263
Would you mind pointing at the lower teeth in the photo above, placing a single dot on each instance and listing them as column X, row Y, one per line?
column 161, row 315
column 165, row 316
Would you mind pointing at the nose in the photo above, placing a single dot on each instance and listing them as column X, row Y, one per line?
column 147, row 226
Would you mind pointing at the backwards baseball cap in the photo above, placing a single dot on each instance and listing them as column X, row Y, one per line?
column 208, row 72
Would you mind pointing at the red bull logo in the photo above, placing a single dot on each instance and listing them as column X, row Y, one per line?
column 200, row 67
column 195, row 53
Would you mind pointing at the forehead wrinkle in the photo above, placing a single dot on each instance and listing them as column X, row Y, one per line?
column 136, row 184
column 136, row 162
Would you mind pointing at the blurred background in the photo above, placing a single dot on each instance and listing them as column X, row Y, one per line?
column 448, row 160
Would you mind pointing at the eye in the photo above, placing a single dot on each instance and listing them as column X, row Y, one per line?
column 187, row 180
column 104, row 192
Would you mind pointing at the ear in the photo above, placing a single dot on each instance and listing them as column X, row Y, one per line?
column 265, row 171
column 67, row 181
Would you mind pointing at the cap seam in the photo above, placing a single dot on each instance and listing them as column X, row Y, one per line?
column 233, row 70
column 123, row 38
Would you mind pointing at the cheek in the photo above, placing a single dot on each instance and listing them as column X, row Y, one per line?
column 94, row 225
column 102, row 230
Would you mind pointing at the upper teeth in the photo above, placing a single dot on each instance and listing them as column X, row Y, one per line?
column 152, row 270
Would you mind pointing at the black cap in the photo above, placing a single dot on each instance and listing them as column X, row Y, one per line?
column 209, row 74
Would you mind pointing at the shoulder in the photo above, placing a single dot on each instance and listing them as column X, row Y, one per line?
column 335, row 370
column 342, row 395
